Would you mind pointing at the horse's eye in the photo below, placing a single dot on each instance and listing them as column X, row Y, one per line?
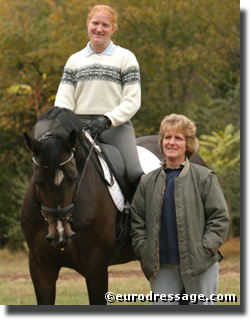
column 39, row 185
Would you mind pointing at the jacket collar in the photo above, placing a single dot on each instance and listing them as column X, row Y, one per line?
column 185, row 165
column 185, row 169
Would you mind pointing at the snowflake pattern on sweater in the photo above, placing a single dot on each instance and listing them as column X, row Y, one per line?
column 102, row 73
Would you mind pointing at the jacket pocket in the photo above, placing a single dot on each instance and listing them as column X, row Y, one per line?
column 143, row 257
column 138, row 252
column 200, row 259
column 147, row 261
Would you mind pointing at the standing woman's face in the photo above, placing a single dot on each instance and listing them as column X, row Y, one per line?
column 100, row 29
column 174, row 146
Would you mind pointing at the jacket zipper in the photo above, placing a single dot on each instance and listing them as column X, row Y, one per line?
column 158, row 238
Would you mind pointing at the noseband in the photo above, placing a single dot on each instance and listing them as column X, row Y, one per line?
column 66, row 212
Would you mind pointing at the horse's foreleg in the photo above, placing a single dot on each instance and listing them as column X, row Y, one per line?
column 97, row 284
column 44, row 281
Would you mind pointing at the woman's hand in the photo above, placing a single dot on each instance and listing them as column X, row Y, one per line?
column 99, row 125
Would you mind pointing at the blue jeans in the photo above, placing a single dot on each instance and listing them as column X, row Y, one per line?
column 169, row 280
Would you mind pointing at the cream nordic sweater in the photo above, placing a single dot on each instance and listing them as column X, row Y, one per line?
column 102, row 83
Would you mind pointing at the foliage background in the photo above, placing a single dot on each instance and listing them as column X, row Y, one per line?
column 189, row 56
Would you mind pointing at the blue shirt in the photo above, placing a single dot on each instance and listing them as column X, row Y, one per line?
column 168, row 237
column 108, row 51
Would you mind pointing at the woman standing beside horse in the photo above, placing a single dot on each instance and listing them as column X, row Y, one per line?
column 101, row 84
column 179, row 218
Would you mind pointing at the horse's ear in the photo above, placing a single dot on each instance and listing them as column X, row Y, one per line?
column 33, row 144
column 71, row 140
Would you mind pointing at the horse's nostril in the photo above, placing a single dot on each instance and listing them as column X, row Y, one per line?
column 49, row 238
column 72, row 235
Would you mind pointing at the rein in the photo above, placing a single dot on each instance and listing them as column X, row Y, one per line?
column 66, row 212
column 85, row 167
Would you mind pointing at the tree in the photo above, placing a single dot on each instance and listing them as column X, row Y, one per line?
column 221, row 150
column 187, row 51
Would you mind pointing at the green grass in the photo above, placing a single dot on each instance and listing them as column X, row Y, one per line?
column 17, row 289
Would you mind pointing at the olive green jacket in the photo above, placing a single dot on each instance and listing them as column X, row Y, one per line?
column 201, row 214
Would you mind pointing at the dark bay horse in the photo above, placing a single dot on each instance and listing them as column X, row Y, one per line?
column 68, row 204
column 59, row 208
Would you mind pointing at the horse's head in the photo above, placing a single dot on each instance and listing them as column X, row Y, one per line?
column 55, row 181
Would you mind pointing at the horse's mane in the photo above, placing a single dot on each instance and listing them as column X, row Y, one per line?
column 65, row 121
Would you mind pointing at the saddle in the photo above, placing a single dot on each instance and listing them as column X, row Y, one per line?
column 113, row 170
column 111, row 160
column 116, row 164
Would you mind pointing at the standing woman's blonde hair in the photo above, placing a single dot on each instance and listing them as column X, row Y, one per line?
column 181, row 124
column 113, row 15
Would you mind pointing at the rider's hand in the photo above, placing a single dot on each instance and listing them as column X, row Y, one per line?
column 99, row 125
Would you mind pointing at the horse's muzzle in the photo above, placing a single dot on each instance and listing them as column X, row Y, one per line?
column 60, row 234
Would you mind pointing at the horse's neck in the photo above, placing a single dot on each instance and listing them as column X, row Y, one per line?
column 81, row 156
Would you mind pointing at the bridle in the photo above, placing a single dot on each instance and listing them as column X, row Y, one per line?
column 60, row 213
column 60, row 165
column 66, row 212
